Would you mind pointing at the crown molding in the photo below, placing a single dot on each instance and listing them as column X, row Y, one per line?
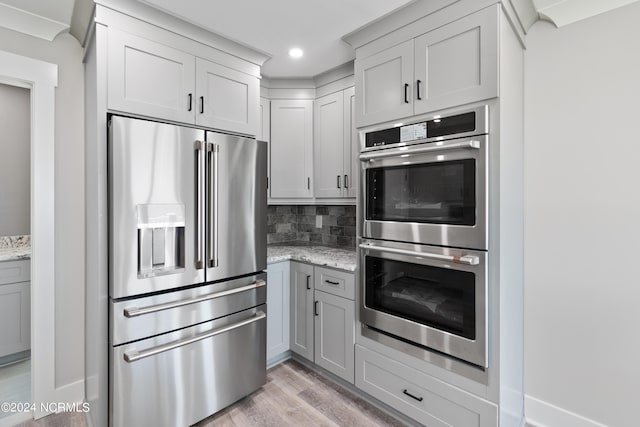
column 28, row 23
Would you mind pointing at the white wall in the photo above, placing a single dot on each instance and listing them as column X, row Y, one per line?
column 582, row 216
column 69, row 196
column 15, row 153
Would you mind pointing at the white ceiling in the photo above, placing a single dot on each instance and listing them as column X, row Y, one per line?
column 275, row 26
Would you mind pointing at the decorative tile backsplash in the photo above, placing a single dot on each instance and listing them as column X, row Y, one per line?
column 298, row 223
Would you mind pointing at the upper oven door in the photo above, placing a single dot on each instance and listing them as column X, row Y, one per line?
column 433, row 193
column 434, row 297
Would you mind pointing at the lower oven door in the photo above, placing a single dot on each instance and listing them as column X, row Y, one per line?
column 180, row 378
column 430, row 296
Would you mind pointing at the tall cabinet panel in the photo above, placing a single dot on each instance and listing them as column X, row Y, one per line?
column 301, row 313
column 457, row 63
column 384, row 83
column 149, row 78
column 227, row 99
column 291, row 148
column 328, row 145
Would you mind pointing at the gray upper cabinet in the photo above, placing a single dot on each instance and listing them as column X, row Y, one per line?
column 351, row 144
column 452, row 65
column 158, row 81
column 328, row 144
column 335, row 145
column 301, row 310
column 458, row 63
column 382, row 80
column 149, row 78
column 291, row 148
column 227, row 99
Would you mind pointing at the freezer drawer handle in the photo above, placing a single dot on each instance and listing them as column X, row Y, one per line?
column 137, row 355
column 429, row 148
column 135, row 312
column 465, row 259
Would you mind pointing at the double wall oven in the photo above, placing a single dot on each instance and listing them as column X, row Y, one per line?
column 424, row 235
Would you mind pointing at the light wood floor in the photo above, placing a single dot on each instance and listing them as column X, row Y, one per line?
column 297, row 396
column 293, row 396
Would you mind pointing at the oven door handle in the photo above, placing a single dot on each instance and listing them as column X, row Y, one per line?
column 465, row 259
column 135, row 312
column 428, row 149
column 137, row 355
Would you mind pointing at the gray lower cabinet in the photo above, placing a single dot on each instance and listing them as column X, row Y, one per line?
column 322, row 319
column 334, row 334
column 15, row 307
column 424, row 398
column 301, row 310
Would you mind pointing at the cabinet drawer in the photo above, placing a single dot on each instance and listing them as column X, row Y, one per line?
column 420, row 396
column 15, row 271
column 335, row 282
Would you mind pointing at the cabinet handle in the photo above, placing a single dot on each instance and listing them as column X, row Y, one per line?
column 308, row 183
column 202, row 105
column 338, row 181
column 406, row 93
column 418, row 89
column 315, row 308
column 267, row 183
column 308, row 278
column 190, row 102
column 419, row 399
column 332, row 283
column 346, row 181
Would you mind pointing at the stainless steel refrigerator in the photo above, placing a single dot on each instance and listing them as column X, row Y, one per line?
column 186, row 258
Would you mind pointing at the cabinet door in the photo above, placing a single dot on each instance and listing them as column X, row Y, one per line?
column 335, row 334
column 301, row 312
column 15, row 318
column 150, row 79
column 277, row 309
column 265, row 132
column 351, row 145
column 384, row 84
column 457, row 64
column 291, row 148
column 328, row 144
column 227, row 99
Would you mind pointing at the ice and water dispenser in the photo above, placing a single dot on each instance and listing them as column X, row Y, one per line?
column 161, row 242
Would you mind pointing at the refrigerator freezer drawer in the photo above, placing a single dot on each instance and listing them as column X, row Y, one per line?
column 180, row 378
column 140, row 318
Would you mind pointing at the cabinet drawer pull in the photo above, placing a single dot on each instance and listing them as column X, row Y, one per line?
column 418, row 89
column 406, row 94
column 332, row 283
column 308, row 278
column 338, row 181
column 202, row 105
column 315, row 308
column 346, row 181
column 419, row 399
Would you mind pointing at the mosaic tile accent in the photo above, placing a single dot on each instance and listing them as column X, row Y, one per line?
column 298, row 223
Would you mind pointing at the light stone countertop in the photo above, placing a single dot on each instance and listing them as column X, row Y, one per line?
column 342, row 259
column 15, row 248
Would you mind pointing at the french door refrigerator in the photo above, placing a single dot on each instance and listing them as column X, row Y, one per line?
column 186, row 258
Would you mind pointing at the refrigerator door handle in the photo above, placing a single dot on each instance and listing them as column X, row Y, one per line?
column 199, row 160
column 214, row 167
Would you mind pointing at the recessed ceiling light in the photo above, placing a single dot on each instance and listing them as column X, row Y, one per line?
column 296, row 52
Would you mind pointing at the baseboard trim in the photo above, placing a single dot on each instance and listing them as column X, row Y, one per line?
column 543, row 414
column 282, row 357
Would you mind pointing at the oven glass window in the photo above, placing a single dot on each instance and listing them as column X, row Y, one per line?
column 438, row 297
column 439, row 193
